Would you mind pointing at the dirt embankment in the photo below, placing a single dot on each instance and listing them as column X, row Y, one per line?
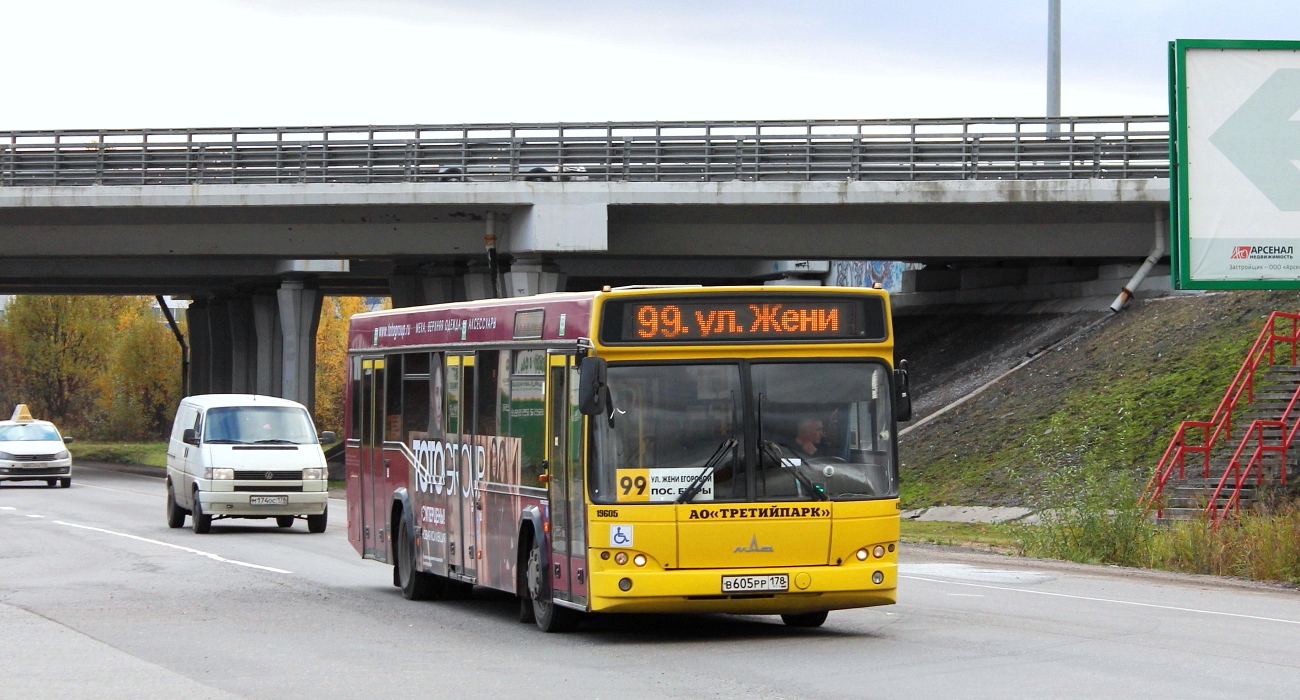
column 1108, row 399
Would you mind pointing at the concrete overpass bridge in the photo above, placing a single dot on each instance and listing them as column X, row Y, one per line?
column 255, row 224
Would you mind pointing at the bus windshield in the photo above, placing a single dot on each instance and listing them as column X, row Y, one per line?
column 761, row 431
column 251, row 425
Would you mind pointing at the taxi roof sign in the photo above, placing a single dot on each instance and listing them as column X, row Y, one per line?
column 21, row 414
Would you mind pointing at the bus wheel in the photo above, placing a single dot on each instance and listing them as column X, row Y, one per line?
column 814, row 619
column 548, row 616
column 416, row 585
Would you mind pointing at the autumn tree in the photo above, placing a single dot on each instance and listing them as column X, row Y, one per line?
column 141, row 387
column 331, row 359
column 59, row 346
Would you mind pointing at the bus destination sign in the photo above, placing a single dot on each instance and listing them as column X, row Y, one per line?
column 714, row 320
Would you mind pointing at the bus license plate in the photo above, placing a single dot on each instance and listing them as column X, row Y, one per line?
column 754, row 584
column 268, row 500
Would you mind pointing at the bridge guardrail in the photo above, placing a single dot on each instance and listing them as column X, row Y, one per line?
column 704, row 151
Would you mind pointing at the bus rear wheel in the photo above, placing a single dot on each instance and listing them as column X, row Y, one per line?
column 814, row 619
column 416, row 585
column 548, row 616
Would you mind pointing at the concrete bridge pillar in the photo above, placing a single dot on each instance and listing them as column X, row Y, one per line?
column 425, row 285
column 299, row 318
column 219, row 369
column 267, row 370
column 200, row 347
column 533, row 276
column 243, row 345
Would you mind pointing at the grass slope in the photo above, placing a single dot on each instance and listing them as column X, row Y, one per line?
column 153, row 454
column 1110, row 399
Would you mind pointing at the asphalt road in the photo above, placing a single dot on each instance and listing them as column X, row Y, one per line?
column 99, row 599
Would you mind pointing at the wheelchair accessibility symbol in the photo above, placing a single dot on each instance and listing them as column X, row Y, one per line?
column 620, row 535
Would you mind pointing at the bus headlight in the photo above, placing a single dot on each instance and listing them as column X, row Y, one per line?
column 313, row 474
column 219, row 473
column 878, row 552
column 862, row 554
column 878, row 578
column 639, row 560
column 620, row 558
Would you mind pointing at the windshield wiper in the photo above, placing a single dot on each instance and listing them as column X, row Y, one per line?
column 225, row 441
column 274, row 441
column 817, row 493
column 696, row 484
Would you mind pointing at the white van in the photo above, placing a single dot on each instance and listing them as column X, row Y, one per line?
column 245, row 456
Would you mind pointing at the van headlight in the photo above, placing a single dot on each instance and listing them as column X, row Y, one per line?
column 220, row 473
column 62, row 454
column 313, row 474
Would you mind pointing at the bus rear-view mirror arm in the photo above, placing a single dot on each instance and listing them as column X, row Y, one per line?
column 902, row 393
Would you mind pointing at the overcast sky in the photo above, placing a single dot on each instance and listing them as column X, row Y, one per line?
column 179, row 63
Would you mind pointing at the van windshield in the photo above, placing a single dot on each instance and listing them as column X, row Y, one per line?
column 253, row 425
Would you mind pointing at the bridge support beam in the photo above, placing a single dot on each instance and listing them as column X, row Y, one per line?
column 196, row 318
column 268, row 370
column 531, row 276
column 299, row 318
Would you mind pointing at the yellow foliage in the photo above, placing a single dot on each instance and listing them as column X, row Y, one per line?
column 331, row 359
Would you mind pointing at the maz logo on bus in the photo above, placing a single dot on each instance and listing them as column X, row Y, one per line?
column 439, row 463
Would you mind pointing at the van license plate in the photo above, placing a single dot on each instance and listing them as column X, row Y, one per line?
column 268, row 500
column 755, row 584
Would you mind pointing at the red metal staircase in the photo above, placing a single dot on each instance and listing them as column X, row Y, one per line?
column 1224, row 471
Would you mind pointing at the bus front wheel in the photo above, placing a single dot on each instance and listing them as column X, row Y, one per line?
column 548, row 616
column 416, row 585
column 814, row 619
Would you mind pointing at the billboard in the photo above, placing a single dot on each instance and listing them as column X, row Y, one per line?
column 1234, row 155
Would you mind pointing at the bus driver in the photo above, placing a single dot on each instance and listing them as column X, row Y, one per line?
column 810, row 435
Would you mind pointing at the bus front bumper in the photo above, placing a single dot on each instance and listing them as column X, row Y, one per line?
column 812, row 589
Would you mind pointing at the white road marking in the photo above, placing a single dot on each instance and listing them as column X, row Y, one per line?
column 7, row 508
column 1110, row 600
column 191, row 550
column 35, row 516
column 966, row 595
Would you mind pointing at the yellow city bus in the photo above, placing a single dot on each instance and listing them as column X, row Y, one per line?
column 658, row 449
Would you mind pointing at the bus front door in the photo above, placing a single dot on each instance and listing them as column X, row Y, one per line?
column 565, row 486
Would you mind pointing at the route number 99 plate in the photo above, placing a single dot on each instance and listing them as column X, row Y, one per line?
column 756, row 584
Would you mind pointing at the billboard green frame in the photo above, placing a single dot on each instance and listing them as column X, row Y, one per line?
column 1178, row 200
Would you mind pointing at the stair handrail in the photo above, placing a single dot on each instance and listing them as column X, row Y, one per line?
column 1220, row 424
column 1254, row 465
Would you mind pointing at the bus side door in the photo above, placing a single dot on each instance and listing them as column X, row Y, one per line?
column 460, row 467
column 565, row 486
column 371, row 432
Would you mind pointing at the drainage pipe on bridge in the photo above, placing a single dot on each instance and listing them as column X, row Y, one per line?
column 1157, row 252
column 180, row 339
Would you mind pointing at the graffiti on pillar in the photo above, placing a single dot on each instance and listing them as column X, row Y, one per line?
column 867, row 273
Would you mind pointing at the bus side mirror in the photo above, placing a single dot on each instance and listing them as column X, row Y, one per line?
column 591, row 386
column 902, row 393
column 189, row 437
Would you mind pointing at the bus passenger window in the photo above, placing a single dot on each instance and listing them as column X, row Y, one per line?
column 393, row 401
column 415, row 396
column 485, row 398
column 527, row 412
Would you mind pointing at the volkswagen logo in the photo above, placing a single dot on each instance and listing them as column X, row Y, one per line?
column 270, row 475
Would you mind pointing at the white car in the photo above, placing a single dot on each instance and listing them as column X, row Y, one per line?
column 245, row 456
column 33, row 450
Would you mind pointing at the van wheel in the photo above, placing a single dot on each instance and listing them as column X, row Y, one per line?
column 284, row 520
column 65, row 483
column 548, row 616
column 814, row 619
column 51, row 482
column 416, row 585
column 201, row 522
column 175, row 513
column 316, row 523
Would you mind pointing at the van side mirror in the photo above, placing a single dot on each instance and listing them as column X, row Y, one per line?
column 591, row 386
column 189, row 437
column 902, row 393
column 328, row 436
column 67, row 439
